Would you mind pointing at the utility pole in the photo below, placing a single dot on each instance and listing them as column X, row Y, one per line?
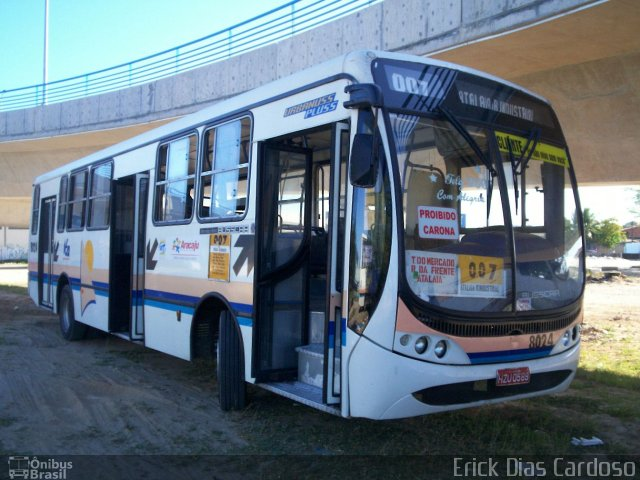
column 46, row 52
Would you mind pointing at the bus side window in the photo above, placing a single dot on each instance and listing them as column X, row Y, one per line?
column 175, row 179
column 100, row 196
column 35, row 209
column 62, row 204
column 225, row 170
column 77, row 197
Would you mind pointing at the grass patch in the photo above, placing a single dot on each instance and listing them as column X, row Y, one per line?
column 276, row 426
column 602, row 401
column 613, row 363
column 14, row 289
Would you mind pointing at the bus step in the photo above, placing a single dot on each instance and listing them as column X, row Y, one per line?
column 127, row 337
column 311, row 364
column 301, row 392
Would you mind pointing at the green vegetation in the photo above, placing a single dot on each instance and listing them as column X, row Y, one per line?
column 14, row 289
column 608, row 233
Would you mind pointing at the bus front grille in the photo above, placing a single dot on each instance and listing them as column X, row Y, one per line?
column 464, row 328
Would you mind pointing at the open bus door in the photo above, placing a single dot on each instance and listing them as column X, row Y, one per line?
column 300, row 266
column 128, row 232
column 46, row 251
column 283, row 235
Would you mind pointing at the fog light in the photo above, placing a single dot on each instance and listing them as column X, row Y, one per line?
column 440, row 349
column 404, row 340
column 421, row 345
column 566, row 337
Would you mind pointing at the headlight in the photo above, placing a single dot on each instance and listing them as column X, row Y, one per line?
column 404, row 340
column 440, row 349
column 421, row 345
column 575, row 332
column 566, row 338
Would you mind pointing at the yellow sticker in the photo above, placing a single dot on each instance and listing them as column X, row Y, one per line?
column 481, row 276
column 219, row 253
column 543, row 151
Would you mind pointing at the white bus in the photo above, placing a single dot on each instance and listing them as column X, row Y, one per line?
column 379, row 236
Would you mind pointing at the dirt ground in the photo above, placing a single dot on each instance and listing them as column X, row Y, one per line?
column 106, row 396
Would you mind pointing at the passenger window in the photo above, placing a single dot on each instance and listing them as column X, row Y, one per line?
column 35, row 209
column 175, row 180
column 62, row 203
column 75, row 208
column 100, row 196
column 225, row 171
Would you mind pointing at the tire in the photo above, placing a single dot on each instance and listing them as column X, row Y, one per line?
column 232, row 391
column 71, row 329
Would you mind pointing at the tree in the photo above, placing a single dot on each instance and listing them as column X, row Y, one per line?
column 608, row 233
column 589, row 221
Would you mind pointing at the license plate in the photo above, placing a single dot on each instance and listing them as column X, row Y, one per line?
column 512, row 376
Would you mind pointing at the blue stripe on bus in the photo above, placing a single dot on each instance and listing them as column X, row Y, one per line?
column 331, row 334
column 509, row 355
column 176, row 300
column 169, row 306
column 343, row 331
column 245, row 321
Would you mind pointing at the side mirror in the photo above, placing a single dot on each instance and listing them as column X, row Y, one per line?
column 363, row 169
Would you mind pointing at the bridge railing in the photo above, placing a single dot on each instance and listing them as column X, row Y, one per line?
column 285, row 21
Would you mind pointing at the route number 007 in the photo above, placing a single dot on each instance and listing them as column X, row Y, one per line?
column 479, row 270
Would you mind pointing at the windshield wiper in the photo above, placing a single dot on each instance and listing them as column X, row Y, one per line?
column 476, row 148
column 518, row 165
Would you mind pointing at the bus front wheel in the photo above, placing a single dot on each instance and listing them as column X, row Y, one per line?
column 69, row 327
column 230, row 365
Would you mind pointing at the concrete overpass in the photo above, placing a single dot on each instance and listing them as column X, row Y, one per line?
column 583, row 55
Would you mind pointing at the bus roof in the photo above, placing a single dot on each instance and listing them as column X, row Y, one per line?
column 354, row 65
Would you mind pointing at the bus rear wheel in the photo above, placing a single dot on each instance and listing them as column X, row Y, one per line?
column 71, row 329
column 230, row 365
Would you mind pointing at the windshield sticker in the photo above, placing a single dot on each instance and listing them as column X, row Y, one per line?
column 432, row 273
column 543, row 151
column 438, row 222
column 315, row 107
column 481, row 276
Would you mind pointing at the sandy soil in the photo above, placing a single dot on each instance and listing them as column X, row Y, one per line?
column 101, row 395
column 107, row 396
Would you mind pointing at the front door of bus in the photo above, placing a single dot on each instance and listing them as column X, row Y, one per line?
column 301, row 225
column 46, row 251
column 283, row 236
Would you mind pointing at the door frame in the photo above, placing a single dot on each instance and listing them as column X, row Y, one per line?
column 127, row 284
column 265, row 280
column 331, row 389
column 138, row 266
column 46, row 257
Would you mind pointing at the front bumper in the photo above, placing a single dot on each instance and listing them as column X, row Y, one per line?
column 385, row 385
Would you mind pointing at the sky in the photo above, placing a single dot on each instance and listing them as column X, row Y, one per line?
column 89, row 35
column 610, row 202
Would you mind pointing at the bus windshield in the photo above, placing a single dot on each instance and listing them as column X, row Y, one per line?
column 463, row 187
